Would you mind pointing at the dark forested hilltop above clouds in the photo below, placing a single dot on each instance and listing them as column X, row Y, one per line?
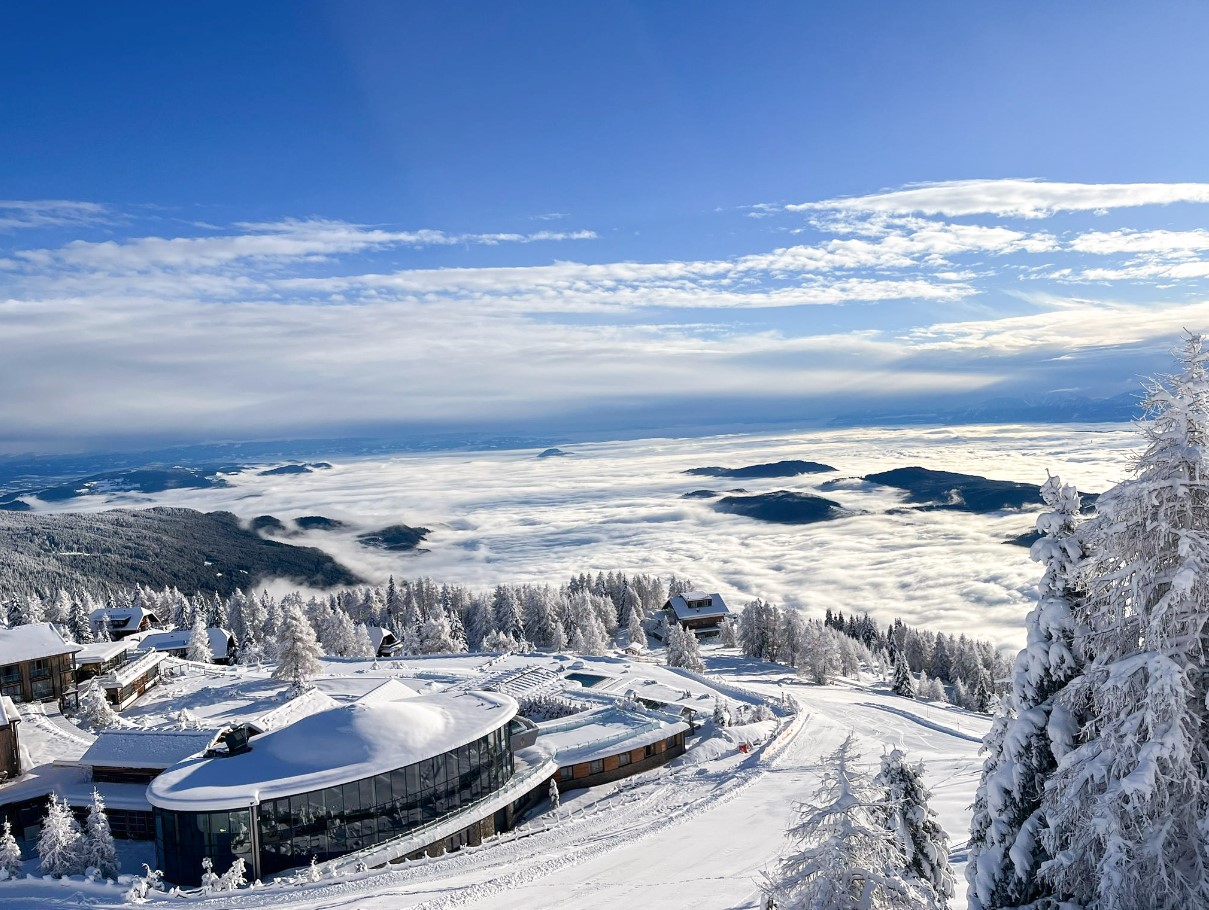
column 162, row 547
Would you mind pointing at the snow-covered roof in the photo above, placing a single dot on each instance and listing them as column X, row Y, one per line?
column 377, row 635
column 8, row 712
column 607, row 731
column 390, row 690
column 220, row 641
column 146, row 748
column 131, row 670
column 697, row 605
column 32, row 641
column 121, row 618
column 337, row 746
column 312, row 701
column 101, row 651
column 132, row 797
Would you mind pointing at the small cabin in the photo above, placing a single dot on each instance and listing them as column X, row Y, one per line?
column 697, row 612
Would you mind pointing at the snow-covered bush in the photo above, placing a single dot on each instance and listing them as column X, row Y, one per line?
column 722, row 717
column 95, row 709
column 548, row 706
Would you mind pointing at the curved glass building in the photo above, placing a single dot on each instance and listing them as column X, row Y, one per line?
column 332, row 783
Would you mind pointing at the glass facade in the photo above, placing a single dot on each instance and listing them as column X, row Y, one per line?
column 182, row 839
column 335, row 820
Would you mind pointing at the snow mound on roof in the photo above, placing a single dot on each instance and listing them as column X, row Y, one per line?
column 337, row 746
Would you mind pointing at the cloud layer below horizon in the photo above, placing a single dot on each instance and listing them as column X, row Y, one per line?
column 512, row 517
column 124, row 325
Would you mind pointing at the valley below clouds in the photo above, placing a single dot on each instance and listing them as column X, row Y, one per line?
column 510, row 516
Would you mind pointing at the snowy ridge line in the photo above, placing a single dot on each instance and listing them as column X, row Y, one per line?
column 924, row 722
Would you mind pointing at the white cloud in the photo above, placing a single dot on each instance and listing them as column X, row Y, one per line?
column 40, row 213
column 1030, row 198
column 507, row 516
column 284, row 240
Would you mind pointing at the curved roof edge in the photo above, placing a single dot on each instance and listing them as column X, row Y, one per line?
column 333, row 747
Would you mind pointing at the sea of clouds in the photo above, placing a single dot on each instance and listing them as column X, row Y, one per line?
column 509, row 516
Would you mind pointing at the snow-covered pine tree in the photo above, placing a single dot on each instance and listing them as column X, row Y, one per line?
column 843, row 857
column 728, row 637
column 97, row 849
column 79, row 625
column 299, row 654
column 199, row 643
column 1006, row 850
column 923, row 685
column 555, row 796
column 1128, row 809
column 904, row 682
column 915, row 825
column 10, row 854
column 682, row 649
column 59, row 844
column 436, row 637
column 362, row 645
column 634, row 633
column 95, row 709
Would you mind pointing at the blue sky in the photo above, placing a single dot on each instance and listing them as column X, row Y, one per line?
column 316, row 218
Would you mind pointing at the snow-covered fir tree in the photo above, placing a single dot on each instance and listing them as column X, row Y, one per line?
column 10, row 853
column 1128, row 809
column 683, row 650
column 298, row 658
column 842, row 855
column 362, row 645
column 95, row 709
column 1007, row 850
column 908, row 814
column 199, row 643
column 903, row 683
column 633, row 632
column 97, row 850
column 59, row 844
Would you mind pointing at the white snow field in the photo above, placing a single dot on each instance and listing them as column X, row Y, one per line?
column 696, row 833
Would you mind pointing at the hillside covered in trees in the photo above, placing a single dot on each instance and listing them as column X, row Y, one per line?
column 184, row 549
